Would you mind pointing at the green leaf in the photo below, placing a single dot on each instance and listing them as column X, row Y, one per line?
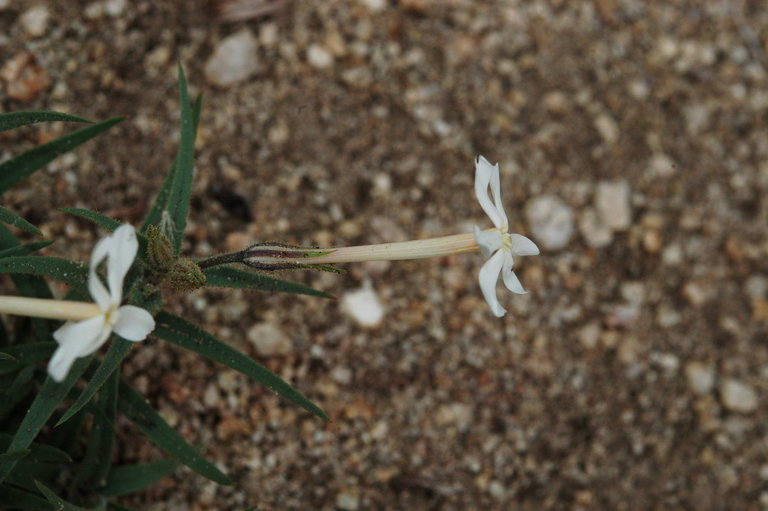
column 182, row 333
column 55, row 267
column 45, row 403
column 38, row 452
column 13, row 457
column 6, row 356
column 11, row 218
column 226, row 276
column 132, row 478
column 181, row 191
column 25, row 354
column 17, row 391
column 16, row 169
column 117, row 351
column 57, row 501
column 31, row 286
column 108, row 223
column 136, row 409
column 15, row 498
column 25, row 249
column 98, row 457
column 17, row 119
column 155, row 215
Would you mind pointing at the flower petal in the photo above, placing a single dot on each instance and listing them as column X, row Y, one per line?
column 488, row 241
column 123, row 246
column 76, row 339
column 496, row 192
column 133, row 323
column 485, row 174
column 522, row 246
column 510, row 279
column 95, row 287
column 489, row 275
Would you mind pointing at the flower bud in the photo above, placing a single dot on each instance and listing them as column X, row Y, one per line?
column 184, row 275
column 159, row 249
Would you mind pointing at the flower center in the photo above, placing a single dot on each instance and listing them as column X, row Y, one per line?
column 506, row 239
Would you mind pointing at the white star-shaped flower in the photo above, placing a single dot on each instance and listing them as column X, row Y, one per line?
column 497, row 243
column 81, row 338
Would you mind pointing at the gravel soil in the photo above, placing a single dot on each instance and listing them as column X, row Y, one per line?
column 633, row 144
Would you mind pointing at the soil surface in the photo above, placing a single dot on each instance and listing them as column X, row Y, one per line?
column 632, row 139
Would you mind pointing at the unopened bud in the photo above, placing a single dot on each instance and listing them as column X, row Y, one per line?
column 277, row 256
column 184, row 275
column 159, row 249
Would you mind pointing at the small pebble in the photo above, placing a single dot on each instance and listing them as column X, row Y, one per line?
column 319, row 57
column 700, row 378
column 35, row 20
column 607, row 128
column 595, row 232
column 737, row 396
column 551, row 221
column 269, row 340
column 363, row 306
column 613, row 206
column 233, row 60
column 348, row 500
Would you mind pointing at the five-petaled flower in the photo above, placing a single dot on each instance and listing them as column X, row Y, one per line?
column 81, row 338
column 497, row 243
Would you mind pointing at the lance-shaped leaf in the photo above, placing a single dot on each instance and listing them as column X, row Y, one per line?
column 182, row 333
column 16, row 169
column 11, row 218
column 45, row 403
column 16, row 498
column 58, row 502
column 55, row 267
column 17, row 119
column 98, row 456
column 118, row 349
column 25, row 354
column 136, row 409
column 25, row 249
column 132, row 478
column 226, row 276
column 155, row 215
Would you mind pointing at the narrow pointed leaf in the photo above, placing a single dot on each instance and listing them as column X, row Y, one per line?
column 11, row 218
column 17, row 119
column 54, row 267
column 182, row 333
column 57, row 501
column 132, row 478
column 136, row 409
column 25, row 354
column 108, row 223
column 98, row 456
column 28, row 285
column 45, row 403
column 15, row 498
column 226, row 276
column 25, row 249
column 16, row 169
column 17, row 391
column 117, row 351
column 161, row 201
column 38, row 452
column 181, row 190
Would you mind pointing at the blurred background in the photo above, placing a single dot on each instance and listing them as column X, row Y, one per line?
column 633, row 144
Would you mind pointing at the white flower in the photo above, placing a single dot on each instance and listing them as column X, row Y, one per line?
column 81, row 338
column 497, row 243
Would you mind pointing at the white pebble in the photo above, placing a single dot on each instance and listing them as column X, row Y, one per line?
column 700, row 377
column 551, row 221
column 363, row 306
column 737, row 396
column 612, row 204
column 269, row 340
column 233, row 60
column 35, row 20
column 319, row 57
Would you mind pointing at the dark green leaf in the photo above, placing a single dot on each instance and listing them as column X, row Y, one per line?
column 11, row 218
column 37, row 452
column 225, row 276
column 16, row 119
column 13, row 457
column 182, row 333
column 155, row 215
column 28, row 285
column 57, row 501
column 26, row 249
column 16, row 169
column 17, row 391
column 98, row 457
column 181, row 191
column 132, row 478
column 15, row 498
column 118, row 349
column 55, row 267
column 25, row 354
column 136, row 409
column 45, row 403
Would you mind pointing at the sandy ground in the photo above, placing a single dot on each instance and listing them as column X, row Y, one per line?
column 633, row 145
